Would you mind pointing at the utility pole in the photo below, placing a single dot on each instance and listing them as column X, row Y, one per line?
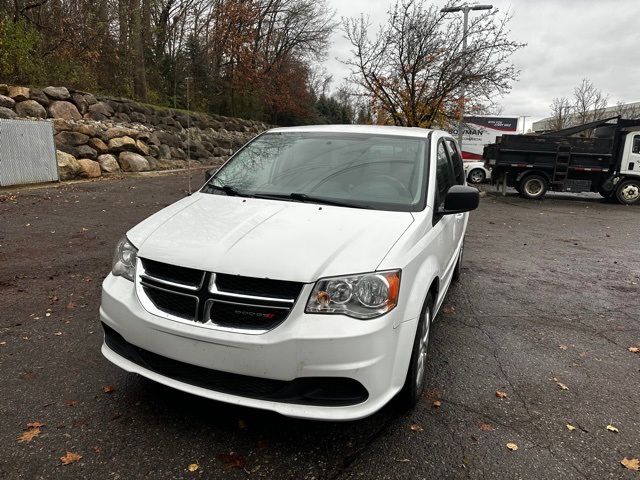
column 524, row 123
column 465, row 9
column 188, row 79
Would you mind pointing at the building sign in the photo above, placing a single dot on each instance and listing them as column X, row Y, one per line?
column 480, row 131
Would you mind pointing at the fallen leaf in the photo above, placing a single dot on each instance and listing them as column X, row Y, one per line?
column 501, row 394
column 449, row 309
column 96, row 449
column 512, row 446
column 71, row 306
column 231, row 460
column 631, row 463
column 108, row 389
column 563, row 347
column 193, row 467
column 70, row 457
column 570, row 427
column 486, row 427
column 561, row 385
column 437, row 403
column 634, row 349
column 613, row 429
column 71, row 403
column 35, row 425
column 416, row 428
column 28, row 435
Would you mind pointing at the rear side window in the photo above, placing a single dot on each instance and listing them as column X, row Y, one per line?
column 456, row 161
column 445, row 178
column 636, row 144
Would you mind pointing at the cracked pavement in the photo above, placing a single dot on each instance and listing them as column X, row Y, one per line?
column 549, row 294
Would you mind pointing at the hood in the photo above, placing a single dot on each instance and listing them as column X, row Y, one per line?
column 268, row 238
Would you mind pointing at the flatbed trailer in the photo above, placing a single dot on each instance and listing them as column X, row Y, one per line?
column 608, row 162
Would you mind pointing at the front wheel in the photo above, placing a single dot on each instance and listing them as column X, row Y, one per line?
column 414, row 383
column 477, row 175
column 534, row 187
column 628, row 192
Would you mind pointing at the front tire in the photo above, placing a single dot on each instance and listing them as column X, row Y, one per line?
column 534, row 187
column 628, row 192
column 477, row 175
column 414, row 383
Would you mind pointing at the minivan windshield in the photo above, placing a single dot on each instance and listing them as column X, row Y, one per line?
column 352, row 169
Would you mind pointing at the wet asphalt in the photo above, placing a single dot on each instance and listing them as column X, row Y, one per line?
column 549, row 297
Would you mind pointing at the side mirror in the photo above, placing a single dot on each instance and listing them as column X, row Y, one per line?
column 209, row 173
column 459, row 199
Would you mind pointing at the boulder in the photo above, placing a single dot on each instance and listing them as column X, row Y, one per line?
column 138, row 117
column 30, row 108
column 19, row 94
column 115, row 132
column 101, row 108
column 108, row 163
column 61, row 125
column 95, row 116
column 195, row 149
column 7, row 113
column 63, row 147
column 71, row 138
column 88, row 130
column 80, row 102
column 85, row 151
column 57, row 93
column 40, row 97
column 142, row 147
column 122, row 117
column 164, row 152
column 132, row 162
column 122, row 144
column 7, row 102
column 4, row 89
column 68, row 166
column 89, row 168
column 98, row 145
column 90, row 99
column 66, row 110
column 168, row 139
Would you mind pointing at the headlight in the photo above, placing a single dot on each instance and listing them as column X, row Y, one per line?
column 124, row 259
column 360, row 296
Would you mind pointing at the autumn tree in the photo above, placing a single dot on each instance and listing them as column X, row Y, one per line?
column 413, row 69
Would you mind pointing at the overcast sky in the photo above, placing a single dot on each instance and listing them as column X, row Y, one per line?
column 567, row 41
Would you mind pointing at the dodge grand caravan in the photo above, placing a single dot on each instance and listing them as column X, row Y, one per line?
column 302, row 278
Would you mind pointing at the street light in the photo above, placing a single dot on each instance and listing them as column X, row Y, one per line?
column 465, row 9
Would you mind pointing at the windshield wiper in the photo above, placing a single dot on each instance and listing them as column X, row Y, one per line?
column 229, row 190
column 303, row 197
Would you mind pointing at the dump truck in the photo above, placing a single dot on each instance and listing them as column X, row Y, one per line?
column 601, row 156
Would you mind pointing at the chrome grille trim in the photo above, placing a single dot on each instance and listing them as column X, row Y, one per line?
column 190, row 286
column 202, row 314
column 213, row 288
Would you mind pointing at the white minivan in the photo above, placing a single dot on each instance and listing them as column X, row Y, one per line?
column 302, row 278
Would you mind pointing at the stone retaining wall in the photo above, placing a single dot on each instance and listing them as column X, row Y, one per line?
column 96, row 134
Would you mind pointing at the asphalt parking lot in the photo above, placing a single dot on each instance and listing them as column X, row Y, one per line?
column 547, row 308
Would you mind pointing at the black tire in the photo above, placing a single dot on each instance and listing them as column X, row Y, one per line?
column 476, row 176
column 457, row 271
column 534, row 187
column 413, row 387
column 628, row 192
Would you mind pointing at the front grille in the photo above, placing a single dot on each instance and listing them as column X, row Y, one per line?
column 320, row 391
column 259, row 287
column 254, row 305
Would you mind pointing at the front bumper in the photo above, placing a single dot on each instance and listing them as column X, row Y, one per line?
column 372, row 353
